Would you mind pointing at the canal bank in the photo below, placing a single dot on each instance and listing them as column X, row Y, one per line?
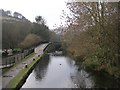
column 15, row 77
column 21, row 77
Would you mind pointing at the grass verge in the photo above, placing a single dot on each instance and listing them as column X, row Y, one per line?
column 16, row 81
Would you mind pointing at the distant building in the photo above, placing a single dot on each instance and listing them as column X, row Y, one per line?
column 9, row 51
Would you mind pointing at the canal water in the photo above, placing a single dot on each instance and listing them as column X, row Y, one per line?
column 55, row 70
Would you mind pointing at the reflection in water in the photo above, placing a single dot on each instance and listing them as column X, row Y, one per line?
column 58, row 71
column 105, row 81
column 81, row 79
column 41, row 68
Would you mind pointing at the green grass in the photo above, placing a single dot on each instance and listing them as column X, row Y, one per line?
column 16, row 80
column 4, row 70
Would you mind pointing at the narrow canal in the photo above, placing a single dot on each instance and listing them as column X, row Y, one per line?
column 58, row 71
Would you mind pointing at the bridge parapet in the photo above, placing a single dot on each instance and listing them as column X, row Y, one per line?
column 40, row 48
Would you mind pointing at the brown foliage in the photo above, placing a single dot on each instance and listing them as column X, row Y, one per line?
column 92, row 33
column 30, row 40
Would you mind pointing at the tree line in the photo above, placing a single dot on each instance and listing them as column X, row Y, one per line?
column 19, row 32
column 92, row 35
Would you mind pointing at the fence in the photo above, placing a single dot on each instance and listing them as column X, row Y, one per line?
column 8, row 61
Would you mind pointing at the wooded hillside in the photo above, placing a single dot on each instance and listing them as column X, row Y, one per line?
column 19, row 32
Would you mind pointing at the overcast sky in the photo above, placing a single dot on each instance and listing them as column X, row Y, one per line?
column 49, row 9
